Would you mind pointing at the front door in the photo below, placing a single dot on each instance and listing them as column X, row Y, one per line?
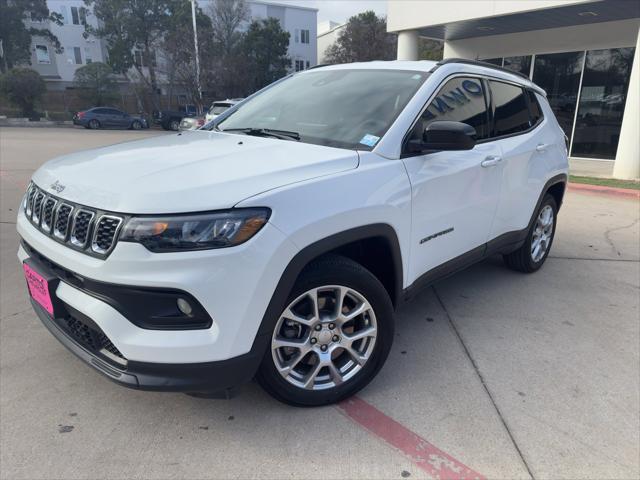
column 454, row 194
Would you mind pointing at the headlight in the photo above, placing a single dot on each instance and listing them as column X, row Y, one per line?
column 176, row 233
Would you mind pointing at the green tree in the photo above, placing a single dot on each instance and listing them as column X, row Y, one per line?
column 96, row 84
column 15, row 35
column 429, row 49
column 264, row 49
column 24, row 88
column 134, row 30
column 178, row 55
column 363, row 39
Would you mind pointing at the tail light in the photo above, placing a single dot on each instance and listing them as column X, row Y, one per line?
column 200, row 122
column 81, row 114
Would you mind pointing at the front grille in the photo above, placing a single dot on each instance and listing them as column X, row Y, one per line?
column 92, row 231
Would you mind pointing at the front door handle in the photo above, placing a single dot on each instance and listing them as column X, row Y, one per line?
column 491, row 161
column 541, row 147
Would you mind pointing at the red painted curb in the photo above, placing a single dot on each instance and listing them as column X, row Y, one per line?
column 431, row 459
column 601, row 190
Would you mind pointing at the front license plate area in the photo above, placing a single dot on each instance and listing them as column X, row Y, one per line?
column 42, row 286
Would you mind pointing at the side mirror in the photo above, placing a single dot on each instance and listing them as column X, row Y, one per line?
column 445, row 136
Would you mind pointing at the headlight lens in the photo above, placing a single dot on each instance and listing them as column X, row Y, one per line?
column 176, row 233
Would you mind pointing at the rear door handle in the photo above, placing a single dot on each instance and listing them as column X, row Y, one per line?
column 491, row 161
column 541, row 147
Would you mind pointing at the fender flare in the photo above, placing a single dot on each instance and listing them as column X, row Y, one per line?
column 313, row 251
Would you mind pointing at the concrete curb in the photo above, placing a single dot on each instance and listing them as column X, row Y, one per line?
column 601, row 190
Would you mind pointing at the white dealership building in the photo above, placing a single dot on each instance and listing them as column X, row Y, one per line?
column 584, row 53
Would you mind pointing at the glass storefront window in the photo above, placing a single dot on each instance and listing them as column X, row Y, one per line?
column 494, row 61
column 559, row 75
column 602, row 98
column 518, row 64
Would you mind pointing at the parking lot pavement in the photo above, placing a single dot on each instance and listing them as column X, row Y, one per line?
column 493, row 374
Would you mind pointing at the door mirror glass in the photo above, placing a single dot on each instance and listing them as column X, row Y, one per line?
column 445, row 135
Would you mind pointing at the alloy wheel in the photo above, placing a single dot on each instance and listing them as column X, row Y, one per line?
column 542, row 233
column 324, row 337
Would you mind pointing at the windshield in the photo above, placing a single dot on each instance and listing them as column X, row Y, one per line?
column 341, row 108
column 218, row 108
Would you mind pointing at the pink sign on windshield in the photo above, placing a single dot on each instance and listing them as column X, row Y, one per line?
column 38, row 288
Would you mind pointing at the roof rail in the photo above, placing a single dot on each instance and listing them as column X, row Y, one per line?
column 477, row 63
column 320, row 65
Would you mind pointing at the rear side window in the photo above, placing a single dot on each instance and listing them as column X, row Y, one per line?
column 461, row 99
column 100, row 111
column 511, row 114
column 534, row 108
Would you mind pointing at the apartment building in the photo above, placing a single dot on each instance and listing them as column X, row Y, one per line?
column 56, row 68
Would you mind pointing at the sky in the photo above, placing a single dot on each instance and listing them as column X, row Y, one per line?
column 339, row 10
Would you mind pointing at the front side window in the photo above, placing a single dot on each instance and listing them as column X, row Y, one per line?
column 42, row 54
column 461, row 99
column 342, row 108
column 511, row 112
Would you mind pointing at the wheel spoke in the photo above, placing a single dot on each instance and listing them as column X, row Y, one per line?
column 298, row 343
column 340, row 296
column 310, row 378
column 288, row 367
column 355, row 356
column 335, row 374
column 291, row 315
column 359, row 335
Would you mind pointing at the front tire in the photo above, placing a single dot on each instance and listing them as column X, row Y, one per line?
column 332, row 337
column 136, row 125
column 533, row 253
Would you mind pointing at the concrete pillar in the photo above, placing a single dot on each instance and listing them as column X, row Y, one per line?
column 408, row 45
column 627, row 164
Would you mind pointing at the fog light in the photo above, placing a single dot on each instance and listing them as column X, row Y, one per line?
column 184, row 307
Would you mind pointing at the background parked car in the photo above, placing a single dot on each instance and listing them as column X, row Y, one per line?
column 170, row 119
column 191, row 123
column 107, row 117
column 220, row 106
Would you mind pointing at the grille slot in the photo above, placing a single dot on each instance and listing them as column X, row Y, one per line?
column 105, row 233
column 48, row 211
column 61, row 225
column 81, row 227
column 37, row 207
column 30, row 196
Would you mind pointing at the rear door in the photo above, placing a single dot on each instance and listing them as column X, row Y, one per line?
column 454, row 194
column 518, row 125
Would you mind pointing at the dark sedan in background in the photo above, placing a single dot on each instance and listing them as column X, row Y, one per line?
column 106, row 117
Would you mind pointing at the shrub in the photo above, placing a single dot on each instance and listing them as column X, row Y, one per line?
column 23, row 88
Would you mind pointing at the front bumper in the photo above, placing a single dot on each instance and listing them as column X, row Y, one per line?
column 187, row 377
column 234, row 286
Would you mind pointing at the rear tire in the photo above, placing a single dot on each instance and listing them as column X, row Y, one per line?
column 174, row 125
column 533, row 253
column 94, row 124
column 325, row 364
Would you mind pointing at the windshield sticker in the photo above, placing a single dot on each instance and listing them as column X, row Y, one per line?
column 369, row 140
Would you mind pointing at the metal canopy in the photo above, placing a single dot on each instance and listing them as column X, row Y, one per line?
column 582, row 14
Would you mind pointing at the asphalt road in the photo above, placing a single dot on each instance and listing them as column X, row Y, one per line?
column 493, row 374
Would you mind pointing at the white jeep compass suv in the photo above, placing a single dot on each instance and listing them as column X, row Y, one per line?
column 277, row 242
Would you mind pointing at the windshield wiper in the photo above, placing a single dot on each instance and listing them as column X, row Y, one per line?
column 266, row 132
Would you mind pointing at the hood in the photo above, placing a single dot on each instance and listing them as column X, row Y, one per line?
column 189, row 172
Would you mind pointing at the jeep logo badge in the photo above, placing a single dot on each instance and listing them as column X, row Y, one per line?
column 57, row 186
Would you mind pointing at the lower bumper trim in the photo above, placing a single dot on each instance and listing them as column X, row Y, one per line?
column 209, row 377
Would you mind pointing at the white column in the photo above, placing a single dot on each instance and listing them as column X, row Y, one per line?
column 408, row 45
column 627, row 164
